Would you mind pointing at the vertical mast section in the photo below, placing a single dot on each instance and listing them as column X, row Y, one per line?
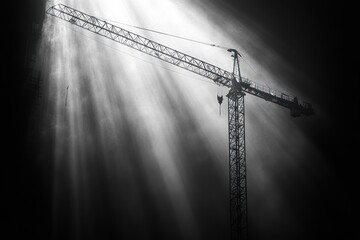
column 237, row 157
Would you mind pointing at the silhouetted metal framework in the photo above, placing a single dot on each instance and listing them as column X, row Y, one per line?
column 237, row 156
column 236, row 111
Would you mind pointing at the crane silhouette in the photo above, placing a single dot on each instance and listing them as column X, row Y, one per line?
column 237, row 84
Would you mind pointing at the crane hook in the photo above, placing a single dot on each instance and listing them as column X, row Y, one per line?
column 220, row 97
column 220, row 100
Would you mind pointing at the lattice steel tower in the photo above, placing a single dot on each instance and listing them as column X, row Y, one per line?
column 237, row 156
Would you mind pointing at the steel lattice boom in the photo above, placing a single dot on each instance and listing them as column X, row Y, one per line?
column 236, row 110
column 176, row 58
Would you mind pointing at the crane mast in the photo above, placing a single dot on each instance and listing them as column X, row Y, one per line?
column 236, row 110
column 237, row 156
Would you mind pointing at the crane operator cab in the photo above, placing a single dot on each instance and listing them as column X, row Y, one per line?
column 236, row 88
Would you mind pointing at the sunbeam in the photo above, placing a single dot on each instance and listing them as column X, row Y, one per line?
column 140, row 151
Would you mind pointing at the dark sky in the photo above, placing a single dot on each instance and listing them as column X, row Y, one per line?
column 307, row 34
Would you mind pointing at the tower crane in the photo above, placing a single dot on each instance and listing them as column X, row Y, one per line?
column 237, row 84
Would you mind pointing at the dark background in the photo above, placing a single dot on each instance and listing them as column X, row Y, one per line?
column 311, row 33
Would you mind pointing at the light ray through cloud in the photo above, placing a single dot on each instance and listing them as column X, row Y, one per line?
column 139, row 146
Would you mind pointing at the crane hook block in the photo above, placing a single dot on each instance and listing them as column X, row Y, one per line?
column 220, row 99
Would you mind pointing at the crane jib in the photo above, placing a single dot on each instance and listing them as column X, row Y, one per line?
column 177, row 58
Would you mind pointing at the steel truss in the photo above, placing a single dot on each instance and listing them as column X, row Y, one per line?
column 237, row 156
column 177, row 58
